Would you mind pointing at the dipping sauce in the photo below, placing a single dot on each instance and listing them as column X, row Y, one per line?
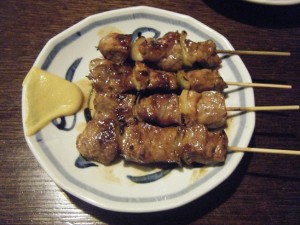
column 46, row 97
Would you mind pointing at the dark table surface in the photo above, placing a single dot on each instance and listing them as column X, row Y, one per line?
column 264, row 189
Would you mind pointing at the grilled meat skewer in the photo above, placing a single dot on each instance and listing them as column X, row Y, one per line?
column 103, row 140
column 190, row 107
column 171, row 52
column 107, row 76
column 207, row 108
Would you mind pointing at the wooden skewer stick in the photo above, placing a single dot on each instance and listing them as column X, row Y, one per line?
column 264, row 150
column 243, row 52
column 248, row 84
column 264, row 108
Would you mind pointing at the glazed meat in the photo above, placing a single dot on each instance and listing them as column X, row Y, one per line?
column 107, row 76
column 146, row 78
column 159, row 109
column 170, row 52
column 199, row 145
column 203, row 53
column 144, row 143
column 166, row 51
column 201, row 80
column 102, row 141
column 115, row 106
column 207, row 107
column 190, row 107
column 173, row 144
column 99, row 141
column 116, row 47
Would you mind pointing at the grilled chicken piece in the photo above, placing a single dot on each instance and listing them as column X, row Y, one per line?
column 107, row 76
column 203, row 53
column 190, row 107
column 166, row 51
column 143, row 143
column 159, row 109
column 199, row 145
column 146, row 78
column 99, row 141
column 201, row 80
column 170, row 52
column 115, row 106
column 116, row 47
column 207, row 108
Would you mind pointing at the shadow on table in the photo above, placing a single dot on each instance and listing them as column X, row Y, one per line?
column 182, row 215
column 268, row 16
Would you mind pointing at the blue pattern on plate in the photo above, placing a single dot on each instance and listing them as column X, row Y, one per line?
column 139, row 32
column 148, row 178
column 82, row 163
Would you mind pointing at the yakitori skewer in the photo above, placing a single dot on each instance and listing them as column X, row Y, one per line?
column 108, row 76
column 103, row 140
column 188, row 108
column 171, row 52
column 191, row 107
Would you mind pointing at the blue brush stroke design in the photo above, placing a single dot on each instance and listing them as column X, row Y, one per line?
column 72, row 69
column 62, row 125
column 87, row 114
column 149, row 177
column 69, row 76
column 139, row 32
column 82, row 163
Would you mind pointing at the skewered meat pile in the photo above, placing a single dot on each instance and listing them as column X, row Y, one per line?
column 142, row 125
column 170, row 52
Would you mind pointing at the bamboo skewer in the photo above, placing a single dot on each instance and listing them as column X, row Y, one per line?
column 260, row 108
column 264, row 150
column 248, row 84
column 264, row 108
column 243, row 52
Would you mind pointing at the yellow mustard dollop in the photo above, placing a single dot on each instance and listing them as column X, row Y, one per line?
column 46, row 97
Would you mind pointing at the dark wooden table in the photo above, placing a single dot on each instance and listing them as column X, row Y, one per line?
column 264, row 189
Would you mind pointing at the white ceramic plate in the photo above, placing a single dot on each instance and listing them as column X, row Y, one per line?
column 275, row 2
column 68, row 54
